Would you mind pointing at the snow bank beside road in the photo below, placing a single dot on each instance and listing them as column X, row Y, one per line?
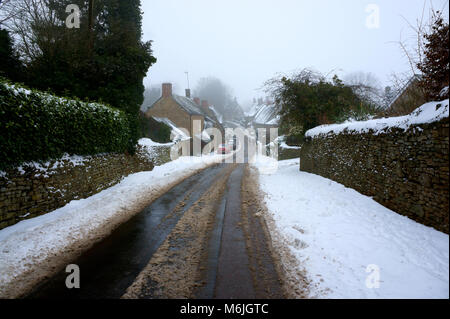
column 335, row 233
column 427, row 113
column 33, row 249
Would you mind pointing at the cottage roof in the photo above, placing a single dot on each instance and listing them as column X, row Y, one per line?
column 192, row 108
column 412, row 80
column 188, row 105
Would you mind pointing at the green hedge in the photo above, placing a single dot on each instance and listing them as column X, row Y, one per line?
column 39, row 126
column 156, row 131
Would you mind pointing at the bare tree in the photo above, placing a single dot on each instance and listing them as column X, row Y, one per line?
column 32, row 23
column 274, row 86
column 6, row 12
column 220, row 95
column 414, row 53
column 414, row 50
column 367, row 86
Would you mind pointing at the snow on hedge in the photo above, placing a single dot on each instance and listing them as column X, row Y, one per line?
column 427, row 113
column 38, row 126
column 17, row 90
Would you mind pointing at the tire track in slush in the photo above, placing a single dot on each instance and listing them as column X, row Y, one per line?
column 177, row 269
column 202, row 239
column 219, row 249
column 111, row 266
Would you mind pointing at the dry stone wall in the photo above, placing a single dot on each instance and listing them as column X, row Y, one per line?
column 404, row 170
column 33, row 190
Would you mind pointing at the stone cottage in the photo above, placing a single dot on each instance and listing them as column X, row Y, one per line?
column 184, row 112
column 408, row 99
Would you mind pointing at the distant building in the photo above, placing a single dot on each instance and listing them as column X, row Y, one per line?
column 263, row 116
column 183, row 111
column 410, row 97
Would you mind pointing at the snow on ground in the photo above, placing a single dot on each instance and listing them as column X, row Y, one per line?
column 30, row 248
column 427, row 113
column 147, row 142
column 337, row 234
column 288, row 147
column 282, row 142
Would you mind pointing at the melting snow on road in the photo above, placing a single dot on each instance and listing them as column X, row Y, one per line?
column 348, row 244
column 29, row 249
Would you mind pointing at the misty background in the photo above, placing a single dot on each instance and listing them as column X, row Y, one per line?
column 244, row 43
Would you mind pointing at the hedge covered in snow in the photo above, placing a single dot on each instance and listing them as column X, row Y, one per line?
column 427, row 113
column 40, row 126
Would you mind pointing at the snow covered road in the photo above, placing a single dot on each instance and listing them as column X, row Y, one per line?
column 343, row 244
column 37, row 248
column 348, row 244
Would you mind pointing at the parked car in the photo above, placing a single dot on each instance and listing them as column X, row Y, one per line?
column 224, row 149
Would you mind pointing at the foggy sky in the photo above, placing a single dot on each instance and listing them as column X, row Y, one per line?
column 246, row 42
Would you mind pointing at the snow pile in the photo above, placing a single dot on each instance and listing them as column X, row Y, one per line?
column 282, row 142
column 147, row 142
column 157, row 153
column 32, row 249
column 287, row 147
column 427, row 113
column 341, row 238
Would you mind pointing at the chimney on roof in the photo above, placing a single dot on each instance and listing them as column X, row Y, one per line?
column 205, row 105
column 197, row 100
column 166, row 89
column 188, row 93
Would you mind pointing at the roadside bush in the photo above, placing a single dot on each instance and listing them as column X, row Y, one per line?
column 156, row 131
column 39, row 126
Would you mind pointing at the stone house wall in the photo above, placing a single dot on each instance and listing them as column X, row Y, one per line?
column 406, row 171
column 168, row 108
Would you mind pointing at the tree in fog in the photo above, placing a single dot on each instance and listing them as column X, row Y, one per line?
column 307, row 99
column 220, row 95
column 151, row 95
column 367, row 87
column 389, row 95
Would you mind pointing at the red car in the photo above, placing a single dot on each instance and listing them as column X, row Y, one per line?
column 223, row 149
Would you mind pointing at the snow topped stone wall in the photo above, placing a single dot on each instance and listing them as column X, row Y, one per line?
column 403, row 164
column 35, row 189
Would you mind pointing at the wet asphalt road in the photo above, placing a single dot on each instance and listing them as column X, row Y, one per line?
column 239, row 263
